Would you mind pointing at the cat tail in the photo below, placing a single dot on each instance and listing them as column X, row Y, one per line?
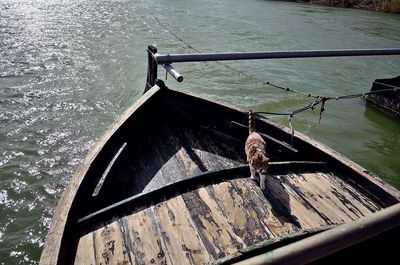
column 252, row 126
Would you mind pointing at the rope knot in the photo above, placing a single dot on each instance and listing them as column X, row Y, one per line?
column 322, row 109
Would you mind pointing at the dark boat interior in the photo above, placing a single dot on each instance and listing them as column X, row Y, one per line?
column 177, row 167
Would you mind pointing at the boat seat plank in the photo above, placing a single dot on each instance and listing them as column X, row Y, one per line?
column 314, row 198
column 172, row 189
column 224, row 218
column 202, row 179
column 319, row 197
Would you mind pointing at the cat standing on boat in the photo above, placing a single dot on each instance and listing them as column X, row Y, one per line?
column 255, row 152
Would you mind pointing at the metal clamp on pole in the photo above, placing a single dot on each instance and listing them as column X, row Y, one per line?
column 171, row 70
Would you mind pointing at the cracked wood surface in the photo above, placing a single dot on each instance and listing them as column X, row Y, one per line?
column 219, row 220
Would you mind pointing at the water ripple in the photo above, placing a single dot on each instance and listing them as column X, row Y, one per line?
column 68, row 68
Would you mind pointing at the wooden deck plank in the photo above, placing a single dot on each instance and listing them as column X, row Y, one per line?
column 259, row 207
column 85, row 251
column 109, row 245
column 325, row 191
column 356, row 196
column 147, row 246
column 317, row 196
column 349, row 200
column 286, row 202
column 231, row 203
column 181, row 239
column 219, row 220
column 216, row 232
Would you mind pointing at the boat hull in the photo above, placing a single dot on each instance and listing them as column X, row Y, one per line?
column 168, row 183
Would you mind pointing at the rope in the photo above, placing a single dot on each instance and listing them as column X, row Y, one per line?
column 322, row 100
column 287, row 89
column 318, row 99
column 239, row 72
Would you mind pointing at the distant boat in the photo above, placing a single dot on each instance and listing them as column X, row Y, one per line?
column 386, row 101
column 168, row 183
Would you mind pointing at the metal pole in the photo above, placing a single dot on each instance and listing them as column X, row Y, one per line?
column 171, row 70
column 201, row 57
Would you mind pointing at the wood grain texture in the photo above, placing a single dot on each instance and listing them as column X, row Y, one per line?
column 216, row 232
column 85, row 251
column 245, row 223
column 179, row 233
column 222, row 219
column 258, row 206
column 144, row 237
column 109, row 245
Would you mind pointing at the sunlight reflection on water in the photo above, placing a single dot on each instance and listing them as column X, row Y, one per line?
column 68, row 68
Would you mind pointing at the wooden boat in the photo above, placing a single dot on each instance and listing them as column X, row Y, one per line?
column 388, row 102
column 168, row 183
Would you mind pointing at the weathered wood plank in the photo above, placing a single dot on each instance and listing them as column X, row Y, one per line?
column 231, row 203
column 216, row 232
column 179, row 233
column 85, row 251
column 329, row 198
column 316, row 196
column 213, row 153
column 348, row 199
column 109, row 245
column 224, row 218
column 356, row 196
column 172, row 169
column 158, row 195
column 289, row 204
column 259, row 207
column 145, row 238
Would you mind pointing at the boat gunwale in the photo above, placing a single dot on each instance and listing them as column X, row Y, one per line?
column 54, row 238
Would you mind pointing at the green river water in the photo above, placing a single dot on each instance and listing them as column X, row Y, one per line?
column 68, row 68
